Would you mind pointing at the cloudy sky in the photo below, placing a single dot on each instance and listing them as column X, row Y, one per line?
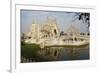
column 64, row 19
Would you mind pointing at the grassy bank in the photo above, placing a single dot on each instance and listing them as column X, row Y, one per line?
column 29, row 52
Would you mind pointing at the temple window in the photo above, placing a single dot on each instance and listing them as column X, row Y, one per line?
column 55, row 31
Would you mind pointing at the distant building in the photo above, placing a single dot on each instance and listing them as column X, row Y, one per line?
column 72, row 30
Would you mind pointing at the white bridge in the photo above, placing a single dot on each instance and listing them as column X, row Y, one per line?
column 64, row 42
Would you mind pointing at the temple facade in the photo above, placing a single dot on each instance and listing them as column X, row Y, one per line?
column 50, row 29
column 38, row 33
column 49, row 34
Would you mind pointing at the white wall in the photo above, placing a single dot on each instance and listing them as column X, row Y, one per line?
column 5, row 36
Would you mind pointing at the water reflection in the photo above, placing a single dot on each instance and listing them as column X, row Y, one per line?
column 64, row 53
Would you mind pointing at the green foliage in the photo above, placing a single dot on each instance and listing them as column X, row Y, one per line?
column 29, row 51
column 85, row 17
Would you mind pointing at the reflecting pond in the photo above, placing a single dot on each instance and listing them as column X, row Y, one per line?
column 65, row 53
column 37, row 54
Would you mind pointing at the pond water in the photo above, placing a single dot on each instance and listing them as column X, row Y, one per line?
column 29, row 54
column 64, row 53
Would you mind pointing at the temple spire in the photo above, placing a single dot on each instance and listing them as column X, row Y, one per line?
column 33, row 21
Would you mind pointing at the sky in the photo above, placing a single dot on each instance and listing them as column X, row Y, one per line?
column 64, row 19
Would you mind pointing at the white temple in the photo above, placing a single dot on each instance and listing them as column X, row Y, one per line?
column 48, row 30
column 49, row 34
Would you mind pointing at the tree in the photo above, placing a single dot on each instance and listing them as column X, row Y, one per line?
column 85, row 17
column 23, row 37
column 61, row 33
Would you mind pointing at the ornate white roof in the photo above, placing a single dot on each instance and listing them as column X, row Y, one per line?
column 72, row 29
